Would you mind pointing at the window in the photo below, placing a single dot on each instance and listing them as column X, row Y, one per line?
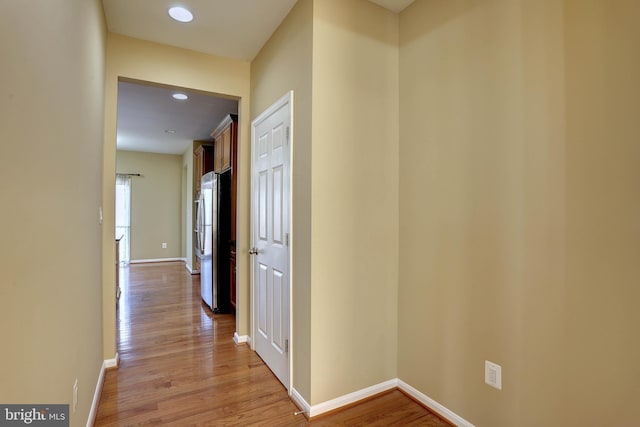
column 123, row 216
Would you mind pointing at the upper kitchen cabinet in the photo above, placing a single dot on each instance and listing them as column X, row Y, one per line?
column 203, row 162
column 225, row 141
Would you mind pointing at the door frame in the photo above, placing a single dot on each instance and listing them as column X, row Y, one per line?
column 284, row 100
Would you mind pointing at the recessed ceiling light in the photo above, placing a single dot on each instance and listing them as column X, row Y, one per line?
column 180, row 14
column 170, row 131
column 180, row 96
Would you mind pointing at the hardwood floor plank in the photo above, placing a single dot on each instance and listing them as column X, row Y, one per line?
column 179, row 366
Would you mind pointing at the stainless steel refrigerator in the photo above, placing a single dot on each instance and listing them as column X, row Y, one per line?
column 206, row 224
column 212, row 238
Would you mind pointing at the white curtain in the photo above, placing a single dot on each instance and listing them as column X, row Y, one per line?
column 123, row 216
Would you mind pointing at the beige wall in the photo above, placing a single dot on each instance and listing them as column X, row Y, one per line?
column 602, row 77
column 51, row 111
column 462, row 206
column 187, row 207
column 517, row 193
column 284, row 64
column 145, row 61
column 341, row 60
column 354, row 186
column 156, row 203
column 519, row 210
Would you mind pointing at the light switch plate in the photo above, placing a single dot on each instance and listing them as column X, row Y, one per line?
column 493, row 374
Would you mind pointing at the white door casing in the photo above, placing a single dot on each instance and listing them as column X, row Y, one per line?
column 270, row 239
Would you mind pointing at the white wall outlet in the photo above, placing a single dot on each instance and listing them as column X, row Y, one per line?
column 164, row 245
column 75, row 395
column 493, row 374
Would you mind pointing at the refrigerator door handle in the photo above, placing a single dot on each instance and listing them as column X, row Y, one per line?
column 198, row 224
column 200, row 237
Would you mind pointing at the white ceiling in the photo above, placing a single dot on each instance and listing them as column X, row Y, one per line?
column 230, row 28
column 146, row 112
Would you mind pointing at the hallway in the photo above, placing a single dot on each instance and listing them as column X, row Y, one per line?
column 180, row 366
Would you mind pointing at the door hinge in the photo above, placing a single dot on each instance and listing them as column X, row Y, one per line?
column 286, row 346
column 286, row 239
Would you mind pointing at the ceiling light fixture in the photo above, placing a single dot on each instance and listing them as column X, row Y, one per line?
column 180, row 96
column 180, row 14
column 170, row 131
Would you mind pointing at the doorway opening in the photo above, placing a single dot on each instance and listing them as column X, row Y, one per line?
column 157, row 133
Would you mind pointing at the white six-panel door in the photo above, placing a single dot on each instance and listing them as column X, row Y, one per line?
column 270, row 236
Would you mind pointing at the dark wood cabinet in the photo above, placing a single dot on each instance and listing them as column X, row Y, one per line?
column 223, row 142
column 203, row 162
column 232, row 276
column 225, row 138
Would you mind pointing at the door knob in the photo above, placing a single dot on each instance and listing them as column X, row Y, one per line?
column 253, row 251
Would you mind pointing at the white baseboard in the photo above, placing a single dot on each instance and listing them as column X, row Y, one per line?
column 112, row 363
column 433, row 405
column 350, row 398
column 96, row 398
column 109, row 363
column 144, row 261
column 240, row 339
column 356, row 396
column 347, row 399
column 299, row 401
column 188, row 267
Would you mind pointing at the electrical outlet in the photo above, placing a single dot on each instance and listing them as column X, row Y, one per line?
column 493, row 374
column 164, row 245
column 75, row 395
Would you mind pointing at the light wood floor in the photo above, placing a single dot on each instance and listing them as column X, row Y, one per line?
column 179, row 366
